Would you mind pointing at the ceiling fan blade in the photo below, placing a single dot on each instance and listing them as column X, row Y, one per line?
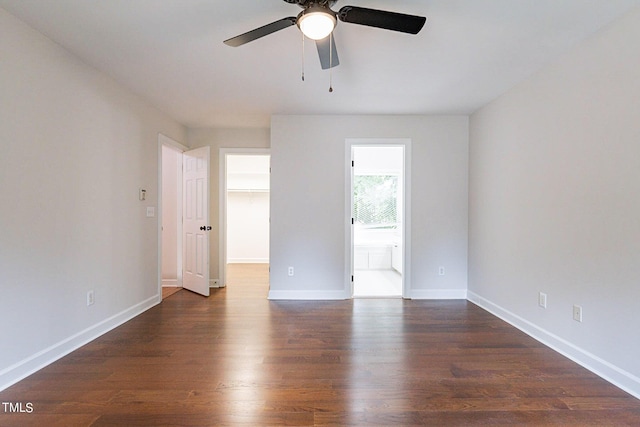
column 327, row 52
column 261, row 32
column 411, row 24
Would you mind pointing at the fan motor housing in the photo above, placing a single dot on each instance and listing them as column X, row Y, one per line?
column 308, row 3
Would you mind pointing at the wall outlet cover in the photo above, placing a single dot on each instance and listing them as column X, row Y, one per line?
column 577, row 313
column 91, row 299
column 542, row 300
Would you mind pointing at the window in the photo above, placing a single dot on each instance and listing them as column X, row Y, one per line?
column 375, row 200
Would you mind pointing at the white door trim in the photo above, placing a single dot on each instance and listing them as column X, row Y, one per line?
column 222, row 203
column 406, row 238
column 166, row 141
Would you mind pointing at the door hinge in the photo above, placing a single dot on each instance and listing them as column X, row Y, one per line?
column 352, row 221
column 352, row 278
column 353, row 163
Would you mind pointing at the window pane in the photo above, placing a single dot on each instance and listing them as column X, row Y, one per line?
column 375, row 200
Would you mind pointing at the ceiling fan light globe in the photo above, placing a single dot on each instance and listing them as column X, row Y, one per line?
column 316, row 25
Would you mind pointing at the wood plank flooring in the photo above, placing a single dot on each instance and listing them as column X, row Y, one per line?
column 237, row 359
column 168, row 291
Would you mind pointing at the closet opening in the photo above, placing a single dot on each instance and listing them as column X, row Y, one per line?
column 246, row 218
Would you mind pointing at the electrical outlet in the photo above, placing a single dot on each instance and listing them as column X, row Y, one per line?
column 290, row 271
column 90, row 298
column 577, row 313
column 542, row 300
column 441, row 271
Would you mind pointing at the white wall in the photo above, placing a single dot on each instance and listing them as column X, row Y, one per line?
column 75, row 149
column 308, row 212
column 378, row 160
column 217, row 139
column 555, row 206
column 248, row 227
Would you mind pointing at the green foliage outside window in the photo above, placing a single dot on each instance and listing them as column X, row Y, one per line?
column 375, row 200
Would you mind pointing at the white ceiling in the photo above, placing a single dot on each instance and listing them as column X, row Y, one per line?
column 171, row 53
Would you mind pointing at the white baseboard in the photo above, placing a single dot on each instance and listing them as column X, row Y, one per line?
column 308, row 295
column 171, row 283
column 215, row 283
column 615, row 375
column 340, row 295
column 31, row 364
column 438, row 294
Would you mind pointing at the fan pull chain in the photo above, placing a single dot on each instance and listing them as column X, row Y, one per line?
column 330, row 62
column 302, row 55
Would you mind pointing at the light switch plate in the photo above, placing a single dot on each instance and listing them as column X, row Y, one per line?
column 151, row 211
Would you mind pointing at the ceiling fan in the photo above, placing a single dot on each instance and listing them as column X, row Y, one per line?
column 317, row 22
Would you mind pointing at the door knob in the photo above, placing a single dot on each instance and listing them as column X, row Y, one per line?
column 207, row 228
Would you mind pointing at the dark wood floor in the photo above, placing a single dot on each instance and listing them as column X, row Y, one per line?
column 238, row 359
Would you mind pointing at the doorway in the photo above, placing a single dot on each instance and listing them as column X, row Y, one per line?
column 378, row 212
column 183, row 218
column 170, row 215
column 245, row 213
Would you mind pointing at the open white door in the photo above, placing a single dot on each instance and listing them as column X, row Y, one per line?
column 196, row 220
